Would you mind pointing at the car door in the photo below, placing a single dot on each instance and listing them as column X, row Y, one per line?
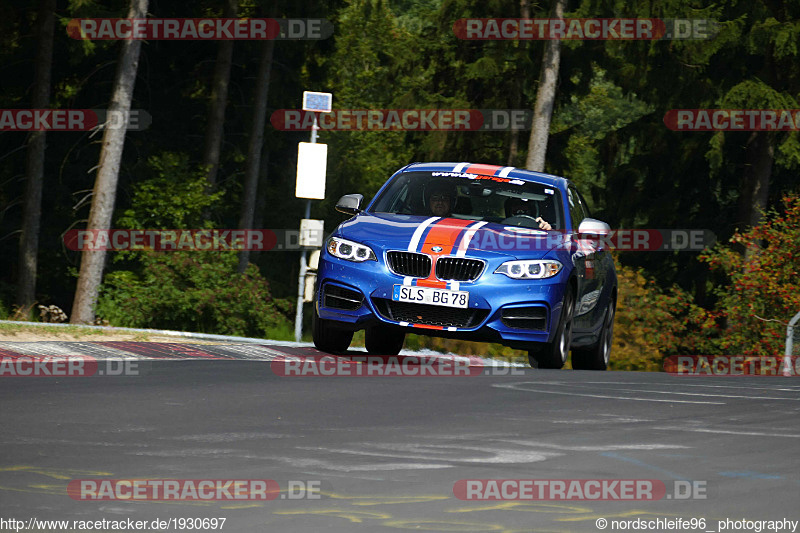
column 600, row 266
column 591, row 272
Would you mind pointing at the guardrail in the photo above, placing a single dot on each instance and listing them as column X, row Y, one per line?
column 790, row 343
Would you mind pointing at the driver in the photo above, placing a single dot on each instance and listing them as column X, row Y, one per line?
column 516, row 207
column 441, row 198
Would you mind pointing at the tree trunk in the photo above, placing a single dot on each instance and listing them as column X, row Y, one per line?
column 105, row 186
column 34, row 171
column 513, row 135
column 755, row 184
column 254, row 149
column 513, row 141
column 261, row 199
column 219, row 100
column 545, row 97
column 755, row 180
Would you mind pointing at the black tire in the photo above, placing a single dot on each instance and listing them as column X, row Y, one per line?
column 328, row 338
column 382, row 340
column 554, row 354
column 596, row 357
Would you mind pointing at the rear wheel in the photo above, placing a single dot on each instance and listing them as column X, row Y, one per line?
column 554, row 354
column 596, row 357
column 382, row 340
column 328, row 338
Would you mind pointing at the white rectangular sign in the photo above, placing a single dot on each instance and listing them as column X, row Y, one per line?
column 311, row 232
column 314, row 101
column 312, row 159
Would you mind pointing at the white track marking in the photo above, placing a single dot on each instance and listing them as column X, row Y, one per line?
column 517, row 386
column 599, row 448
column 729, row 432
column 793, row 389
column 709, row 394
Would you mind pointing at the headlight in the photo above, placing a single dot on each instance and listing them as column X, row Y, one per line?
column 349, row 250
column 532, row 269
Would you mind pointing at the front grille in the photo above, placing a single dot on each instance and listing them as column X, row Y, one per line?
column 432, row 315
column 458, row 268
column 409, row 264
column 534, row 318
column 337, row 297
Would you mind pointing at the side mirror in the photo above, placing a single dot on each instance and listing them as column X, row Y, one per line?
column 350, row 204
column 589, row 231
column 592, row 226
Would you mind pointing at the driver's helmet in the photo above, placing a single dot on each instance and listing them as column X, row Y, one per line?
column 520, row 206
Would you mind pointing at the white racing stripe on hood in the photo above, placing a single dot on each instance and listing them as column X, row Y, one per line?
column 464, row 244
column 412, row 246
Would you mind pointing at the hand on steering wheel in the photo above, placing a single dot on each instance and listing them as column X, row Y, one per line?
column 543, row 224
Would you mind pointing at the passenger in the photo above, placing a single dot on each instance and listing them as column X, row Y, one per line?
column 516, row 207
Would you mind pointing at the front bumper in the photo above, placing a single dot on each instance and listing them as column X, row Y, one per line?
column 503, row 310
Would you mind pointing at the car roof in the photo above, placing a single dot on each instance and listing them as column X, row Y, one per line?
column 489, row 170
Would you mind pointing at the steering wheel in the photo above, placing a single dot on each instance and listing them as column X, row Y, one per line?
column 522, row 220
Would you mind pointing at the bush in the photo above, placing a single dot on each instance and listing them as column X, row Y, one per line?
column 185, row 290
column 192, row 292
column 651, row 323
column 763, row 293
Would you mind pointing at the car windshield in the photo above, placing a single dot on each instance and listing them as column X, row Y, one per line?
column 500, row 200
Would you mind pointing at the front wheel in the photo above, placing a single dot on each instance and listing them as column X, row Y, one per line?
column 554, row 354
column 596, row 357
column 328, row 338
column 382, row 340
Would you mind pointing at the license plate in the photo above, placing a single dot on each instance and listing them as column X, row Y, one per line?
column 430, row 296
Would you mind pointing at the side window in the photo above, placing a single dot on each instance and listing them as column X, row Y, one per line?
column 584, row 205
column 576, row 209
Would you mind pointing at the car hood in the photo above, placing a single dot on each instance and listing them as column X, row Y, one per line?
column 402, row 232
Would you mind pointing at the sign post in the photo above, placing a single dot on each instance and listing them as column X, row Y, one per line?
column 312, row 161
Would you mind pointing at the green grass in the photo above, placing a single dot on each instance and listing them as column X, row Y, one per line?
column 283, row 332
column 65, row 330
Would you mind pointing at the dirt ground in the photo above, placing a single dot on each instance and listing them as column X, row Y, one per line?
column 19, row 333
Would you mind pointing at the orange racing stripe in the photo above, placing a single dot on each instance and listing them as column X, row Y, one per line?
column 484, row 170
column 426, row 326
column 445, row 234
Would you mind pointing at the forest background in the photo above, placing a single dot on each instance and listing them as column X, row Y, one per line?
column 206, row 162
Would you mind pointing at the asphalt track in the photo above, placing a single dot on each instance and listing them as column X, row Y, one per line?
column 386, row 452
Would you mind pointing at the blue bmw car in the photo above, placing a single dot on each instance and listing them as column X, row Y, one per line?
column 471, row 251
